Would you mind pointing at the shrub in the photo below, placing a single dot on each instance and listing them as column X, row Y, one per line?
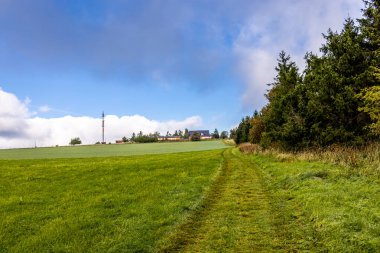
column 75, row 141
column 196, row 136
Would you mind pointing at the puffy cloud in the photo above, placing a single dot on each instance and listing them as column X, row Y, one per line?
column 293, row 26
column 257, row 69
column 18, row 129
column 13, row 115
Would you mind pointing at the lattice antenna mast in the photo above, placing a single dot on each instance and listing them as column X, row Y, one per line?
column 103, row 128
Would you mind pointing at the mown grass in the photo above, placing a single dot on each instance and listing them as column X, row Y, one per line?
column 320, row 206
column 109, row 150
column 261, row 203
column 209, row 201
column 119, row 204
column 234, row 217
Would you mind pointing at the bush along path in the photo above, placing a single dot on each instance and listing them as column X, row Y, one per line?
column 260, row 203
column 236, row 216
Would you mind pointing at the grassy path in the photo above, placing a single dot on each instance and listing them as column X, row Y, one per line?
column 236, row 216
column 264, row 204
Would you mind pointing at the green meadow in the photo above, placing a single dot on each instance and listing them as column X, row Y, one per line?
column 322, row 207
column 264, row 204
column 200, row 201
column 109, row 150
column 122, row 204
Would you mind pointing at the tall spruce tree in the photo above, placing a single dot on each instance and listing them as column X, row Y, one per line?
column 370, row 27
column 332, row 82
column 281, row 118
column 241, row 133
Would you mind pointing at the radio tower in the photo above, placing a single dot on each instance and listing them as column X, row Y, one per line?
column 103, row 128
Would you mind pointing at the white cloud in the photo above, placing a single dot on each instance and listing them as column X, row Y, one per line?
column 19, row 129
column 44, row 109
column 13, row 115
column 293, row 26
column 257, row 69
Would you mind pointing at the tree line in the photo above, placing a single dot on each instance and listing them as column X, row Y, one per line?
column 336, row 99
column 184, row 135
column 140, row 137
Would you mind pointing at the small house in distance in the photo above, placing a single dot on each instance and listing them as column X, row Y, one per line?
column 205, row 134
column 168, row 138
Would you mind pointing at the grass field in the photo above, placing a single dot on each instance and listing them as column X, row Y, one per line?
column 322, row 207
column 263, row 204
column 109, row 150
column 236, row 216
column 206, row 201
column 100, row 204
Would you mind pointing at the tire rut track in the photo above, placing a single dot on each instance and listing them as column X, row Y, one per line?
column 234, row 217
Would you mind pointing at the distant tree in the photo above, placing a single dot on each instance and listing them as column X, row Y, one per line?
column 180, row 133
column 147, row 138
column 196, row 136
column 241, row 133
column 75, row 141
column 133, row 137
column 257, row 128
column 224, row 135
column 168, row 134
column 186, row 134
column 233, row 134
column 215, row 135
column 124, row 139
column 176, row 133
column 140, row 134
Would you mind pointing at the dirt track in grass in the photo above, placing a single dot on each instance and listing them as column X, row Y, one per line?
column 235, row 216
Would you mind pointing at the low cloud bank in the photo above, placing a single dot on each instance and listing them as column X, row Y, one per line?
column 19, row 129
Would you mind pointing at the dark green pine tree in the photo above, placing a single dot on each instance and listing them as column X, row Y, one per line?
column 370, row 27
column 241, row 133
column 370, row 96
column 332, row 83
column 281, row 117
column 215, row 135
column 186, row 134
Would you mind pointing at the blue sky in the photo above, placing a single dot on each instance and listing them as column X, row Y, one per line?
column 166, row 61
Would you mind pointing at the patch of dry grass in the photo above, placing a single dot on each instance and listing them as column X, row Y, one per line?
column 249, row 148
column 364, row 160
column 360, row 160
